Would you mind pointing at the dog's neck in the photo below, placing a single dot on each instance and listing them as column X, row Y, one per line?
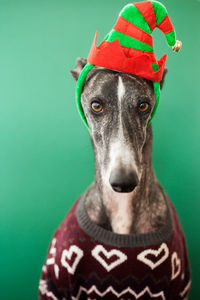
column 141, row 211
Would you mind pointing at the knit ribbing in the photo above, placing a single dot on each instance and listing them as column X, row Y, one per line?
column 123, row 240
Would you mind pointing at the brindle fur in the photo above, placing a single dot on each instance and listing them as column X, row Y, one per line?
column 143, row 210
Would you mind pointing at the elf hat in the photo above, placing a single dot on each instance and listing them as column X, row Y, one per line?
column 128, row 47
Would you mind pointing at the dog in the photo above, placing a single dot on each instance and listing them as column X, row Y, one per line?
column 122, row 238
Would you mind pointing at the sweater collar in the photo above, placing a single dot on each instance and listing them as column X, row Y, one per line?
column 123, row 240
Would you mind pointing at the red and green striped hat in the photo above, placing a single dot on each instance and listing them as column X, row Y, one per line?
column 128, row 47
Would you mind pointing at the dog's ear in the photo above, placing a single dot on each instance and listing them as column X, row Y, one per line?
column 163, row 78
column 80, row 64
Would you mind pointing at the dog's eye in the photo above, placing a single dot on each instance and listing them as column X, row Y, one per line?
column 143, row 107
column 96, row 106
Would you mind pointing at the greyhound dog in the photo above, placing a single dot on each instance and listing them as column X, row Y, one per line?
column 126, row 196
column 121, row 239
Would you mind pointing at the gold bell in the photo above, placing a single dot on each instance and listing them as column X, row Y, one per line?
column 177, row 46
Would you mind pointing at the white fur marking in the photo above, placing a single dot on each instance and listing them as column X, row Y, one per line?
column 120, row 89
column 119, row 206
column 121, row 218
column 120, row 93
column 119, row 154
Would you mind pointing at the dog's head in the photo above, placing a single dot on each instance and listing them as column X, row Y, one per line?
column 117, row 107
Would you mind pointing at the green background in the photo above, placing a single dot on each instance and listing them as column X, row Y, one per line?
column 46, row 158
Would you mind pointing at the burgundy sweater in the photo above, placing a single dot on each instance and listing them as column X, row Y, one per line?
column 85, row 261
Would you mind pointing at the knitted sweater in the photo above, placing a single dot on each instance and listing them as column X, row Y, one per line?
column 85, row 261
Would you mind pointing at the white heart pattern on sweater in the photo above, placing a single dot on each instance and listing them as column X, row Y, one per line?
column 52, row 251
column 68, row 254
column 121, row 257
column 176, row 265
column 143, row 256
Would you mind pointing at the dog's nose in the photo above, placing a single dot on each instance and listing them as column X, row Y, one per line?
column 123, row 181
